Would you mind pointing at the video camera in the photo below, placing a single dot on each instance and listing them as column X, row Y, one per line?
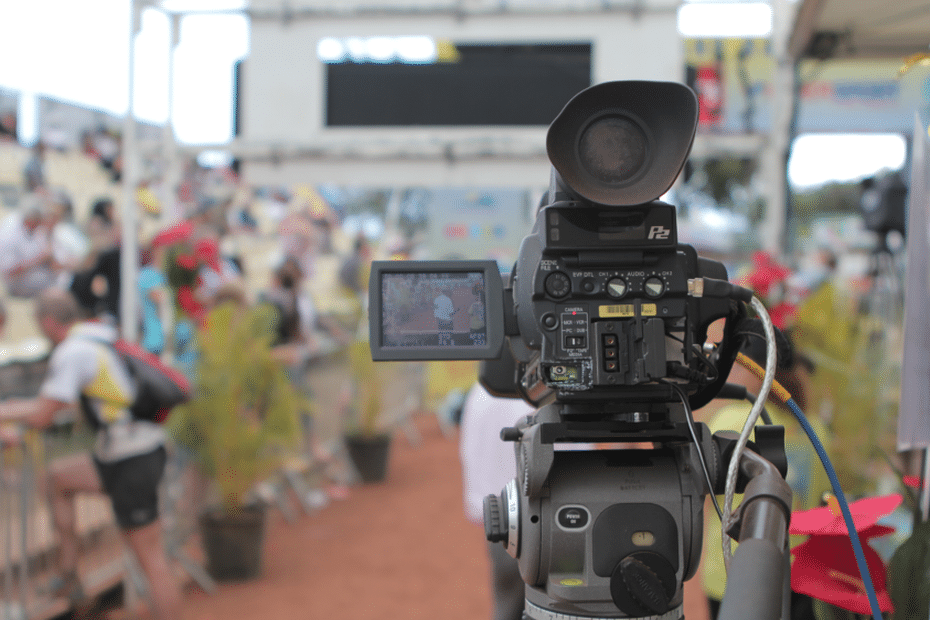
column 605, row 324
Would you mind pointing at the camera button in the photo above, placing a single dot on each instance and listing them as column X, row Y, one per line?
column 549, row 321
column 573, row 517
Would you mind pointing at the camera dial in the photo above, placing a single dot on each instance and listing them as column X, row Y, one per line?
column 558, row 285
column 617, row 287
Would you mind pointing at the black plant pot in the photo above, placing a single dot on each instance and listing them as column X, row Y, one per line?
column 234, row 543
column 369, row 454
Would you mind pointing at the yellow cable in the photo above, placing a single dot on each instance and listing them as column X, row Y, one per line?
column 780, row 393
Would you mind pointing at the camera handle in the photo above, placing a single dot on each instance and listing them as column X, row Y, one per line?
column 757, row 575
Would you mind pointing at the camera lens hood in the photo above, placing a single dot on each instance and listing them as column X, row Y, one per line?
column 623, row 143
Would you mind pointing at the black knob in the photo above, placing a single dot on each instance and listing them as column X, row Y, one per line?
column 643, row 584
column 495, row 519
column 617, row 287
column 550, row 321
column 653, row 287
column 558, row 284
column 509, row 433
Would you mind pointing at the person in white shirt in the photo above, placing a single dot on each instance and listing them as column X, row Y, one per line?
column 128, row 457
column 27, row 262
column 488, row 464
column 443, row 311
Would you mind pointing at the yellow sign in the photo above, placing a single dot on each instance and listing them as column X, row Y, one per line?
column 574, row 582
column 619, row 311
column 626, row 311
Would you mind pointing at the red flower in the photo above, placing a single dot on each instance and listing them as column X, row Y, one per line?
column 187, row 261
column 188, row 302
column 782, row 314
column 825, row 568
column 175, row 234
column 208, row 253
column 766, row 273
column 913, row 482
column 829, row 521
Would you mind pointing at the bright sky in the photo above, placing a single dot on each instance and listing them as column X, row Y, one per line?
column 843, row 157
column 67, row 50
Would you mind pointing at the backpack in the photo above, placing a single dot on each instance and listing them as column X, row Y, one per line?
column 159, row 388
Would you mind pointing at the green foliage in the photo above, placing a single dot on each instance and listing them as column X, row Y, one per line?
column 180, row 266
column 834, row 199
column 909, row 574
column 367, row 404
column 244, row 418
column 723, row 173
column 854, row 385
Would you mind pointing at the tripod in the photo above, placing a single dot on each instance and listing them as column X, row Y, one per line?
column 878, row 347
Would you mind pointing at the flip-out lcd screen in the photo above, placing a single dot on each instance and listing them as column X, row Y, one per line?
column 431, row 310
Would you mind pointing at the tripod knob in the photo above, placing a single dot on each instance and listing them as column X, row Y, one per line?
column 643, row 583
column 495, row 519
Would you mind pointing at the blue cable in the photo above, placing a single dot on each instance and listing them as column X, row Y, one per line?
column 844, row 508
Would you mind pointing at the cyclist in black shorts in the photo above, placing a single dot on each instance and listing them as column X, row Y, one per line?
column 128, row 455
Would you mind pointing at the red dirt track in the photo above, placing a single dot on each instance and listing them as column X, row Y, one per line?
column 399, row 549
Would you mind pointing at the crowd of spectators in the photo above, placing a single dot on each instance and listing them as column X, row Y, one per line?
column 49, row 256
column 45, row 245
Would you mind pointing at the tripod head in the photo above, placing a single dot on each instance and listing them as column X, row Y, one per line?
column 608, row 533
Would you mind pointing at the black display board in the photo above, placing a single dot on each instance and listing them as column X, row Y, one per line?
column 489, row 84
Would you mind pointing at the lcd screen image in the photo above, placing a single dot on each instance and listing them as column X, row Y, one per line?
column 433, row 310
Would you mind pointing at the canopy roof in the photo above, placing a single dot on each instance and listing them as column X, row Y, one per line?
column 861, row 28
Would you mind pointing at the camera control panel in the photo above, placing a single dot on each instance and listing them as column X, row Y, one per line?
column 609, row 327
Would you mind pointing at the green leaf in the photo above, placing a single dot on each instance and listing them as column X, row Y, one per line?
column 909, row 576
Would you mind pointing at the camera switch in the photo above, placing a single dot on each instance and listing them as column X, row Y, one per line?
column 575, row 342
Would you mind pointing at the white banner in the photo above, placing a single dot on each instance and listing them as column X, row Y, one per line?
column 914, row 414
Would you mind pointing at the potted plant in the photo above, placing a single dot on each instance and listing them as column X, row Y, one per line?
column 367, row 437
column 241, row 424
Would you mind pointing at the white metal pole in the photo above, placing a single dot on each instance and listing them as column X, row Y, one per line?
column 170, row 173
column 129, row 254
column 774, row 160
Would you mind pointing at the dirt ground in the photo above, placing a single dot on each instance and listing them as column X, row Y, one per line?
column 401, row 549
column 398, row 549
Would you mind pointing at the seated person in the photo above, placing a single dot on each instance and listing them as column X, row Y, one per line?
column 27, row 263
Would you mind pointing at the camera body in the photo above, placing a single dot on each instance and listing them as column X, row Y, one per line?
column 602, row 295
column 603, row 325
